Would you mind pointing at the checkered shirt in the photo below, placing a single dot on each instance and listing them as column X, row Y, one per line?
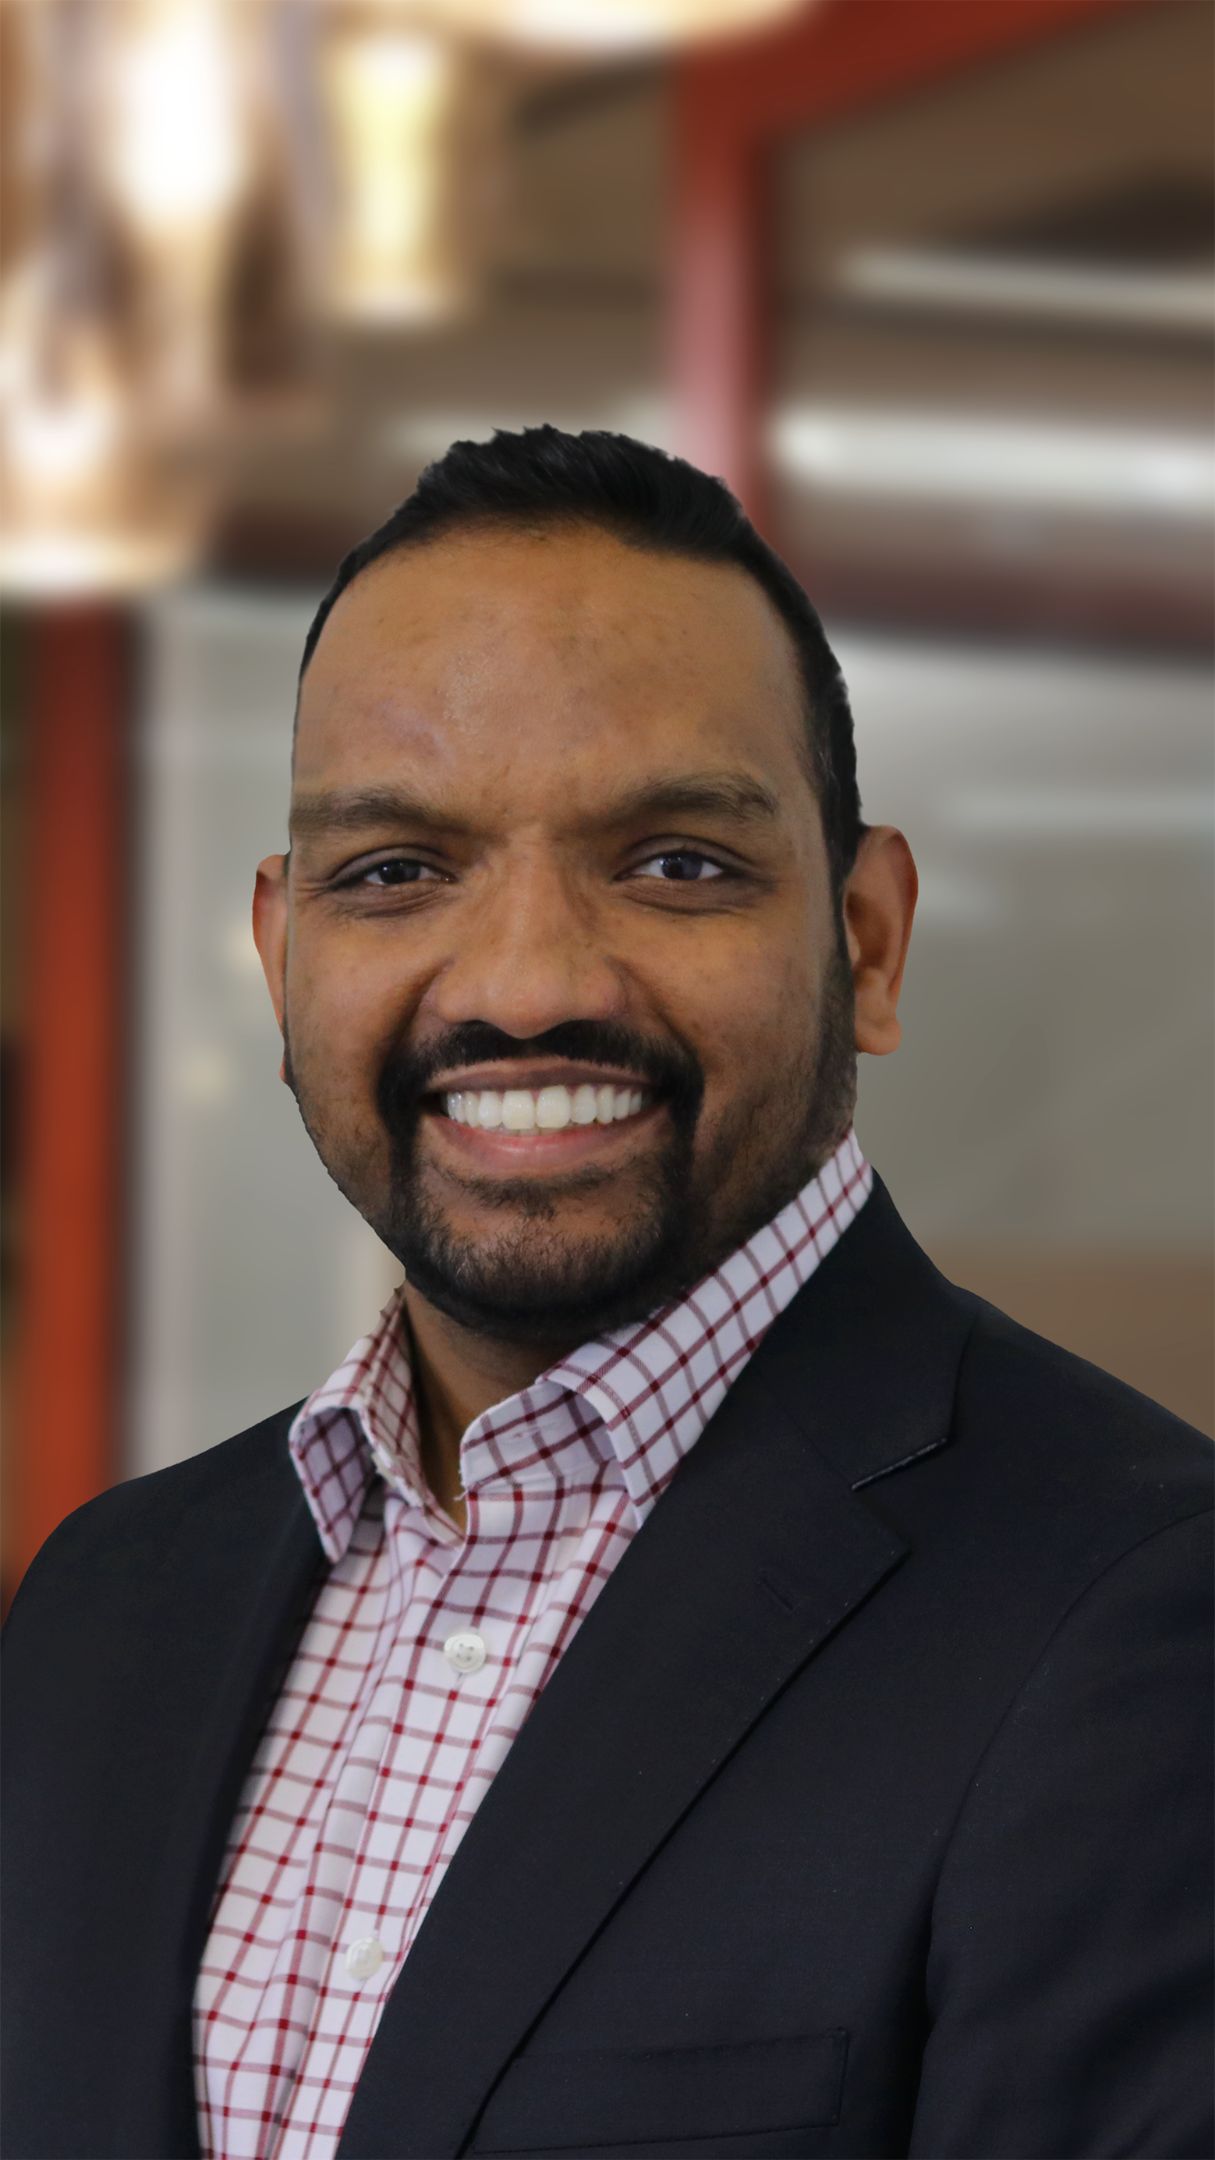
column 380, row 1747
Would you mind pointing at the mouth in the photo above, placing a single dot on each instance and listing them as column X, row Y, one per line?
column 521, row 1127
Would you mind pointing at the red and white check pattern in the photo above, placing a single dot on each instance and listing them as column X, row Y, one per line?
column 378, row 1752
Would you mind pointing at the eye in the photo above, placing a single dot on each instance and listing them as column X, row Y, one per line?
column 684, row 875
column 386, row 874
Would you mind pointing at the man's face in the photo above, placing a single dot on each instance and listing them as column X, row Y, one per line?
column 479, row 898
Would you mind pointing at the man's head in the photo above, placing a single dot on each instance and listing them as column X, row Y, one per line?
column 574, row 801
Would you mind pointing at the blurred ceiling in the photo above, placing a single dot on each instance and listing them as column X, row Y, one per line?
column 1004, row 285
column 1091, row 154
column 1022, row 250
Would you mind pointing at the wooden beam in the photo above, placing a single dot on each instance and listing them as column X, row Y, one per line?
column 847, row 54
column 731, row 108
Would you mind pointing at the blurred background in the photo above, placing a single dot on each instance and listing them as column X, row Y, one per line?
column 929, row 282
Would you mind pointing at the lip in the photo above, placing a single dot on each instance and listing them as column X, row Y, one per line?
column 541, row 1150
column 533, row 1077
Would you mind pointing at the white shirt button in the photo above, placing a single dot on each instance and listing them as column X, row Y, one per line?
column 365, row 1957
column 465, row 1650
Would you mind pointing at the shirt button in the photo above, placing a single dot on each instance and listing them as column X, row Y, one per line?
column 365, row 1957
column 465, row 1650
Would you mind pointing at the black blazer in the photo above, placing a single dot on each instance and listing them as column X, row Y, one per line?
column 864, row 1815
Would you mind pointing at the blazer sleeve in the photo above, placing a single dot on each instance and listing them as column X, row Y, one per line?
column 1070, row 1962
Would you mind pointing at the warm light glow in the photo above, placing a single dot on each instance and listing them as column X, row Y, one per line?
column 110, row 380
column 391, row 93
column 176, row 155
column 612, row 25
column 86, row 509
column 54, row 444
column 77, row 565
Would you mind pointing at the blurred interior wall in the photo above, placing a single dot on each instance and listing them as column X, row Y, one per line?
column 1044, row 1128
column 1005, row 510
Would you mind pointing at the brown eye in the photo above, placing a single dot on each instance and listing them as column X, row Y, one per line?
column 682, row 875
column 391, row 872
column 394, row 871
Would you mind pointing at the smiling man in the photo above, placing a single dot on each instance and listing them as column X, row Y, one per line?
column 568, row 1003
column 692, row 1681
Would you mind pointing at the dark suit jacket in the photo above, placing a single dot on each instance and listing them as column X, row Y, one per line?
column 864, row 1815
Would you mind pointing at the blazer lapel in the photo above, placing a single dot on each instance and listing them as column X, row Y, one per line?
column 246, row 1596
column 758, row 1550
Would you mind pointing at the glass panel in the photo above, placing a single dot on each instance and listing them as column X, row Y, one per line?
column 992, row 463
column 253, row 1276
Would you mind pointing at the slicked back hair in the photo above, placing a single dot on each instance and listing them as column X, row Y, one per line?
column 540, row 477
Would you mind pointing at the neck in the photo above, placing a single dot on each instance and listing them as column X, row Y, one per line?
column 457, row 1375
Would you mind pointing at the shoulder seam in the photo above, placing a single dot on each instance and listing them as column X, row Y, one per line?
column 1176, row 1522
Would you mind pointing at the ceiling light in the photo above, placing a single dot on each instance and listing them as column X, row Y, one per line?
column 929, row 456
column 176, row 151
column 391, row 90
column 611, row 25
column 950, row 282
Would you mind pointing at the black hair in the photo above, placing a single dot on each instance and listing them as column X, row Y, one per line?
column 648, row 499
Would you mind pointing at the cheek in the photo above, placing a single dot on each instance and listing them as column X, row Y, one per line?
column 343, row 1013
column 763, row 1005
column 750, row 1017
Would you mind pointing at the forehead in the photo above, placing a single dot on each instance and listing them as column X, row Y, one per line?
column 482, row 654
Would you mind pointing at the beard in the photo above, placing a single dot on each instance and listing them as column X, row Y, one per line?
column 530, row 1280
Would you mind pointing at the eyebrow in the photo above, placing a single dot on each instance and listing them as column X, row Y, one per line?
column 737, row 797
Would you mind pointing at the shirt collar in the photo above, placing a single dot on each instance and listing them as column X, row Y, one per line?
column 651, row 1388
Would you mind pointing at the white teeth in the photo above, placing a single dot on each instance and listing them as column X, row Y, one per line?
column 584, row 1105
column 518, row 1110
column 553, row 1108
column 547, row 1109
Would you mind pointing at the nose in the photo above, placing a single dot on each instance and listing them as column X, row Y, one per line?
column 528, row 957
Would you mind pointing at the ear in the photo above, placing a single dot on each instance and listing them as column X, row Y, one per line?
column 270, row 930
column 879, row 903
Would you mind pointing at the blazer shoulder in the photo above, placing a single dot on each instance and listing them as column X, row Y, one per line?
column 130, row 1523
column 1078, row 1426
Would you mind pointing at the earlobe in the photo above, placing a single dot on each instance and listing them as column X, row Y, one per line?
column 878, row 1027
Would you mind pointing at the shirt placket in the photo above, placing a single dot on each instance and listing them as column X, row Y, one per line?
column 427, row 1714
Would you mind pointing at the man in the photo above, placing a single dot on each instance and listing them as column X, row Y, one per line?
column 692, row 1681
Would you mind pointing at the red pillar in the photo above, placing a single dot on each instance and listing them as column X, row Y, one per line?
column 718, row 284
column 72, row 1069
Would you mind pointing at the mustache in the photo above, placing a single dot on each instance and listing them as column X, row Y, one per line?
column 406, row 1075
